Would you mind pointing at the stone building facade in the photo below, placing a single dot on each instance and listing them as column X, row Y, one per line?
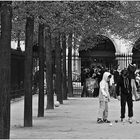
column 123, row 54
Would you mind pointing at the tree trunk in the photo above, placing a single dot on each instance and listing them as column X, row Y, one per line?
column 28, row 72
column 70, row 86
column 49, row 73
column 41, row 71
column 58, row 81
column 74, row 54
column 64, row 78
column 5, row 69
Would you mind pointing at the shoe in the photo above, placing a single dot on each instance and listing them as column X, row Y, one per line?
column 123, row 120
column 130, row 120
column 99, row 120
column 106, row 121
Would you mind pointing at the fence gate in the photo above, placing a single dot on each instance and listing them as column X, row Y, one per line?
column 121, row 59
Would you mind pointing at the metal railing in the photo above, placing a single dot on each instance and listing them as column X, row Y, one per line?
column 77, row 88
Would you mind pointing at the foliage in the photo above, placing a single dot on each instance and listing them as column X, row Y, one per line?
column 21, row 9
column 92, row 41
column 85, row 18
column 126, row 20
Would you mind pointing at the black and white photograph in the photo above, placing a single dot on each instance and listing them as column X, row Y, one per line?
column 69, row 69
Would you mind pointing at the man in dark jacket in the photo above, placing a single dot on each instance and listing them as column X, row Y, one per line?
column 124, row 93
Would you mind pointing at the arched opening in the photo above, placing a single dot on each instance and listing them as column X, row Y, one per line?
column 100, row 51
column 136, row 53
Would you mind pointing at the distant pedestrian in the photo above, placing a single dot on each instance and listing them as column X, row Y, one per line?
column 124, row 94
column 84, row 76
column 104, row 98
column 131, row 70
column 116, row 79
column 97, row 76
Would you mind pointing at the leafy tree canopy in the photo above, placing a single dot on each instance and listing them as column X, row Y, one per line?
column 85, row 18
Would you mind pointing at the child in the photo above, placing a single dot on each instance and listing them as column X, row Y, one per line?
column 104, row 98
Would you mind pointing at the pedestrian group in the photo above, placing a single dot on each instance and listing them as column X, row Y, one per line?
column 122, row 85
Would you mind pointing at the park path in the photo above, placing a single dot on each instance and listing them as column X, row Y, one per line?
column 75, row 119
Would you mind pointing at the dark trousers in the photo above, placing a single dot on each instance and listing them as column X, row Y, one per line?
column 84, row 91
column 126, row 99
column 96, row 92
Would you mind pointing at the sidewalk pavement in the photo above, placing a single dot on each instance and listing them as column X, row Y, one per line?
column 75, row 119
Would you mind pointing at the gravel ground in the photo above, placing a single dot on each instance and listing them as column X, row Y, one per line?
column 75, row 119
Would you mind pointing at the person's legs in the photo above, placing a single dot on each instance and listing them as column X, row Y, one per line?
column 113, row 90
column 105, row 113
column 130, row 106
column 101, row 111
column 95, row 93
column 123, row 104
column 82, row 94
column 84, row 89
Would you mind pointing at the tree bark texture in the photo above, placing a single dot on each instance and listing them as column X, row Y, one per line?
column 49, row 72
column 70, row 86
column 5, row 69
column 28, row 72
column 58, row 81
column 41, row 71
column 64, row 78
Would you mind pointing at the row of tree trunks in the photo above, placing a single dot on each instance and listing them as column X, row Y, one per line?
column 41, row 70
column 61, row 80
column 5, row 43
column 5, row 49
column 28, row 72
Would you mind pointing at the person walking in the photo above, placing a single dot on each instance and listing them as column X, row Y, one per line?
column 131, row 70
column 124, row 94
column 104, row 98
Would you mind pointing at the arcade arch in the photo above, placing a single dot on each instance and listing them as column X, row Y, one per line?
column 102, row 53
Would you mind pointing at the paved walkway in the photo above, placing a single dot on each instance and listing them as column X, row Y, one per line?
column 75, row 119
